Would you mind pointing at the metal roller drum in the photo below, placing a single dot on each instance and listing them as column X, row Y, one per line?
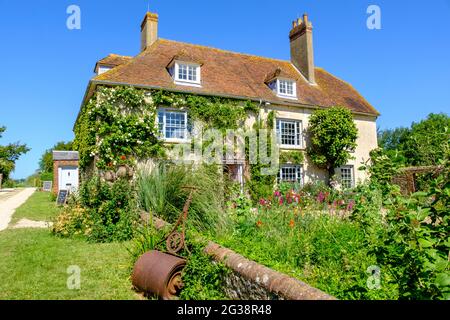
column 159, row 273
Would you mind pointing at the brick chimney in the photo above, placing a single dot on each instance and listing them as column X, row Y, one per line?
column 302, row 54
column 149, row 30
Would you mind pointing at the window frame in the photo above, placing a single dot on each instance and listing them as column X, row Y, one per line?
column 286, row 95
column 298, row 133
column 188, row 65
column 352, row 176
column 298, row 173
column 162, row 134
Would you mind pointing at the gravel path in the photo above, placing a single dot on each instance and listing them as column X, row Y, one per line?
column 9, row 205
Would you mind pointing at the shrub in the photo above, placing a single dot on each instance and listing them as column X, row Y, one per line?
column 203, row 278
column 108, row 212
column 415, row 246
column 73, row 221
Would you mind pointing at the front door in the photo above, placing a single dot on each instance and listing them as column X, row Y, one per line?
column 68, row 178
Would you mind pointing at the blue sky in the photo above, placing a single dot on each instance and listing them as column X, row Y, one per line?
column 402, row 69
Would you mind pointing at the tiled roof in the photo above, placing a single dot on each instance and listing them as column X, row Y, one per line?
column 231, row 74
column 113, row 60
column 65, row 155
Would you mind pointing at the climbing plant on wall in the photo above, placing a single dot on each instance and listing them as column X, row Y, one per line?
column 118, row 125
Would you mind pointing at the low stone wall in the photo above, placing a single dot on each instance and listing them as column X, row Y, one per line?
column 249, row 280
column 252, row 281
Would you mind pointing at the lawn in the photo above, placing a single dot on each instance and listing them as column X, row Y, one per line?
column 33, row 265
column 34, row 262
column 38, row 207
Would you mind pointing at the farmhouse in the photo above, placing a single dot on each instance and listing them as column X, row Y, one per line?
column 289, row 90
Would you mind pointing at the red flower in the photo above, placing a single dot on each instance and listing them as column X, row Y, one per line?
column 259, row 223
column 123, row 158
column 292, row 223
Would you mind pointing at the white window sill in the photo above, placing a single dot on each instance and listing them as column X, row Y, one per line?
column 291, row 147
column 175, row 140
column 188, row 83
column 286, row 97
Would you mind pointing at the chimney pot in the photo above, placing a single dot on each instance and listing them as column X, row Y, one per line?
column 302, row 53
column 149, row 30
column 305, row 18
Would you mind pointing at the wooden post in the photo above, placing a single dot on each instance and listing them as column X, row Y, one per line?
column 1, row 178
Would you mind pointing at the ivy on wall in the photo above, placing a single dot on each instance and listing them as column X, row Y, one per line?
column 292, row 157
column 118, row 125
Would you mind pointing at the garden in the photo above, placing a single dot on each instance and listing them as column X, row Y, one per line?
column 367, row 242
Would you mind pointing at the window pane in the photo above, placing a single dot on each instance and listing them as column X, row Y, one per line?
column 290, row 174
column 347, row 177
column 172, row 124
column 288, row 132
column 182, row 72
column 161, row 122
column 286, row 87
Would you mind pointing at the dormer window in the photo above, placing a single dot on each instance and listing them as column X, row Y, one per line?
column 286, row 88
column 102, row 69
column 186, row 73
column 282, row 84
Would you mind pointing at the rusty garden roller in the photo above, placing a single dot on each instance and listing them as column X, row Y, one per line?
column 159, row 273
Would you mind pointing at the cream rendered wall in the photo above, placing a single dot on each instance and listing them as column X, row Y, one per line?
column 367, row 140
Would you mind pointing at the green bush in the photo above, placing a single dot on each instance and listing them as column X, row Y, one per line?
column 415, row 244
column 203, row 278
column 46, row 176
column 106, row 212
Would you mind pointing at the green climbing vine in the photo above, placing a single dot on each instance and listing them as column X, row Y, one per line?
column 292, row 157
column 118, row 124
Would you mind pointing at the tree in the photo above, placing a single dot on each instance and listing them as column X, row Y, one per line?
column 425, row 143
column 9, row 154
column 333, row 135
column 428, row 142
column 46, row 161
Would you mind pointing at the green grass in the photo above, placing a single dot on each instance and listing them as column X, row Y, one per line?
column 33, row 265
column 38, row 207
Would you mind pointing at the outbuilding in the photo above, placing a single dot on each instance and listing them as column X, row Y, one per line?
column 65, row 170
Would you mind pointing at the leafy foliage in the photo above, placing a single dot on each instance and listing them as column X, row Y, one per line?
column 104, row 212
column 381, row 169
column 293, row 234
column 416, row 246
column 203, row 279
column 333, row 134
column 9, row 154
column 46, row 161
column 118, row 122
column 425, row 143
column 293, row 157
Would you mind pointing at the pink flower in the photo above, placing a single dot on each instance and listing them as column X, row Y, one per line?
column 277, row 194
column 350, row 205
column 281, row 201
column 320, row 197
